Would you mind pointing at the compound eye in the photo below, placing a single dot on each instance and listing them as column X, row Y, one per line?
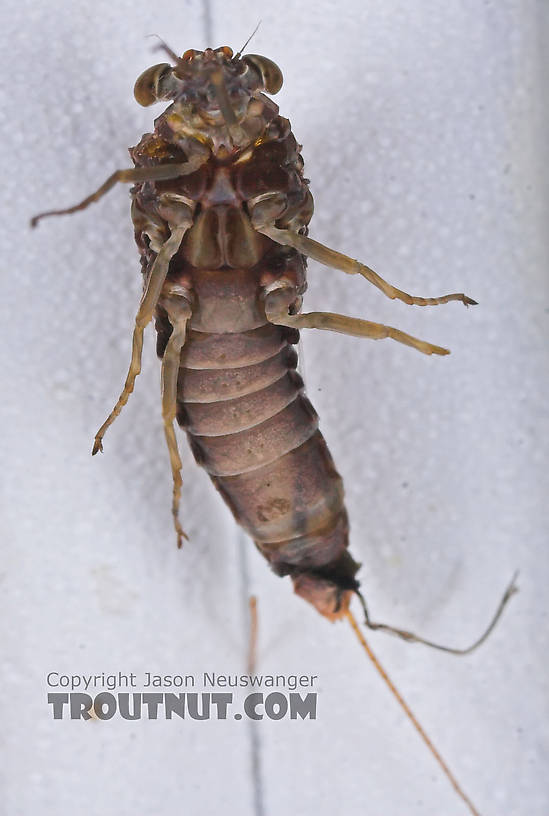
column 269, row 71
column 146, row 88
column 189, row 54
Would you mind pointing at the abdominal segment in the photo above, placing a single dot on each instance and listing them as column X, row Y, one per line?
column 250, row 425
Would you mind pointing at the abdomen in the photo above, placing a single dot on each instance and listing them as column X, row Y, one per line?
column 252, row 428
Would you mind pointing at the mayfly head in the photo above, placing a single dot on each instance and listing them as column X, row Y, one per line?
column 215, row 84
column 213, row 93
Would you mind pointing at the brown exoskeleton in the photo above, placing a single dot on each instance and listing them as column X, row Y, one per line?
column 221, row 210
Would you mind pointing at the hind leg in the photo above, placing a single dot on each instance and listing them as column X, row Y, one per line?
column 277, row 303
column 179, row 313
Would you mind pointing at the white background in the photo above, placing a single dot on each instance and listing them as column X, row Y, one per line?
column 424, row 133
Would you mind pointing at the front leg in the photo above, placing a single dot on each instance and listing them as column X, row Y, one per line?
column 160, row 172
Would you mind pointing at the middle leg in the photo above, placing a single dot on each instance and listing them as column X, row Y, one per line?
column 144, row 315
column 329, row 257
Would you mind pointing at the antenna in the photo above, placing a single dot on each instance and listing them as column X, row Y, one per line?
column 239, row 54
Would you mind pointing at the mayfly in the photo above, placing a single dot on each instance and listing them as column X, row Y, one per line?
column 221, row 209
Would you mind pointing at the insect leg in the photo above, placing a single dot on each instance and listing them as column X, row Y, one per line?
column 159, row 172
column 329, row 257
column 179, row 313
column 149, row 300
column 276, row 311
